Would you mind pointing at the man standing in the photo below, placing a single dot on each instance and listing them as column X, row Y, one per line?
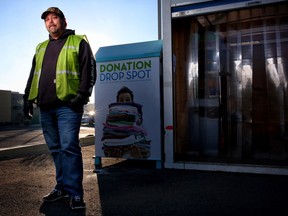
column 61, row 80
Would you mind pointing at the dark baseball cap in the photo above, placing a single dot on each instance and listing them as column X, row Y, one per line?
column 54, row 10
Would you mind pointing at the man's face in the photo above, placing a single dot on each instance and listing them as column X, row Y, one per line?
column 54, row 25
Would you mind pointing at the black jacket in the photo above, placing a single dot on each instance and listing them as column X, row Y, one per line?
column 47, row 98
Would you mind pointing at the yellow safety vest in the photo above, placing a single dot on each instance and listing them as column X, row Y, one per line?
column 67, row 69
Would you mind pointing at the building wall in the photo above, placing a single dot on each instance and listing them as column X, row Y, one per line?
column 17, row 108
column 5, row 106
column 11, row 107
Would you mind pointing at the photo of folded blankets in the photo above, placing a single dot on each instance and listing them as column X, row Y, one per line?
column 123, row 132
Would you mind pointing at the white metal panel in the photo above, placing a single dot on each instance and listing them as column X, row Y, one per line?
column 216, row 8
column 237, row 168
column 185, row 2
column 167, row 82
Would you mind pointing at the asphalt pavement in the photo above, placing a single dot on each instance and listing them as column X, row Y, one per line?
column 21, row 135
column 136, row 187
column 20, row 140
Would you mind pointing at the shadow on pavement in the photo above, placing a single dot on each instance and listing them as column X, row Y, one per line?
column 37, row 159
column 127, row 188
column 59, row 208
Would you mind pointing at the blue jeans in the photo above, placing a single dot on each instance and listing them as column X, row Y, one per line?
column 61, row 128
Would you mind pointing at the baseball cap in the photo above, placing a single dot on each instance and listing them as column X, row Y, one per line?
column 52, row 10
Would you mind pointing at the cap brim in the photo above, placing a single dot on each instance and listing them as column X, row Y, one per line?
column 44, row 14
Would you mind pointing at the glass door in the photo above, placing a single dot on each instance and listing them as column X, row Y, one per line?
column 231, row 86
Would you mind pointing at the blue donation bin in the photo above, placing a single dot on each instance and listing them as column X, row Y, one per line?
column 128, row 102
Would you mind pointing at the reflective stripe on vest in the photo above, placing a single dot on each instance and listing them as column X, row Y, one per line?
column 67, row 69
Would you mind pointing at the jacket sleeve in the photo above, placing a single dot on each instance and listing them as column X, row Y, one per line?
column 87, row 69
column 29, row 81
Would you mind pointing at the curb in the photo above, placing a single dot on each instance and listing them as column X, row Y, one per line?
column 37, row 148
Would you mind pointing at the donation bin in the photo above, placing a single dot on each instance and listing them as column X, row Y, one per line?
column 128, row 122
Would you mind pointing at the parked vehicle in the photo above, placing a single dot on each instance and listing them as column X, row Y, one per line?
column 87, row 119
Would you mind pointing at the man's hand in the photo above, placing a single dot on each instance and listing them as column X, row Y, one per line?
column 77, row 102
column 28, row 109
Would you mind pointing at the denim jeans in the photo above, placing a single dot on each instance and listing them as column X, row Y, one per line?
column 61, row 128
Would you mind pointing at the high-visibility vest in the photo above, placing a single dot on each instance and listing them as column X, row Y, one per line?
column 67, row 69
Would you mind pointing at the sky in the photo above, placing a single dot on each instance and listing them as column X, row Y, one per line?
column 104, row 22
